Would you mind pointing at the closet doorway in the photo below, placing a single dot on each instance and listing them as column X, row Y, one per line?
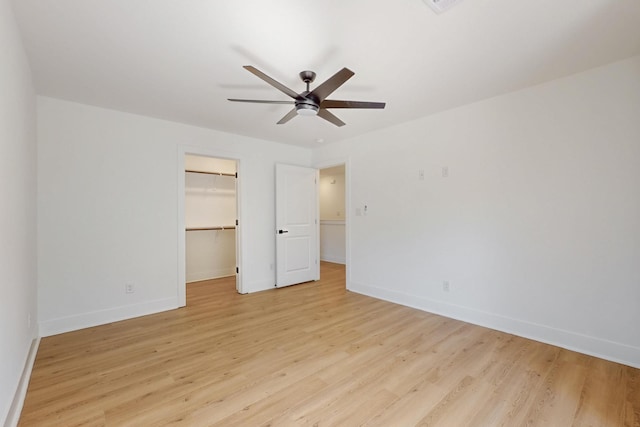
column 333, row 224
column 210, row 217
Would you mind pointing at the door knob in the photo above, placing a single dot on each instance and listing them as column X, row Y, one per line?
column 282, row 231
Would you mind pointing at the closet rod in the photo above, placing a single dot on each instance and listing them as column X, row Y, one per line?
column 212, row 173
column 231, row 227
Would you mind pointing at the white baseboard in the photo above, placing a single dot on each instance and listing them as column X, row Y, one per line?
column 101, row 317
column 21, row 392
column 597, row 347
column 333, row 258
column 209, row 275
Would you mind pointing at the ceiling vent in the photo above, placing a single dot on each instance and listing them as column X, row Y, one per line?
column 440, row 6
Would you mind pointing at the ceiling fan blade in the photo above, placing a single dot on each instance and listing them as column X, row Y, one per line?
column 330, row 117
column 330, row 103
column 272, row 82
column 260, row 101
column 333, row 83
column 290, row 115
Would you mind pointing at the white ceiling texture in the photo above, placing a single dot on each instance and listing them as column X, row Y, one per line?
column 181, row 59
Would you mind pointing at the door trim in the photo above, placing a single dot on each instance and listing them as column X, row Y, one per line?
column 181, row 223
column 346, row 161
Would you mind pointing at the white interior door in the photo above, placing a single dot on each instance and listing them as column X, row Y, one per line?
column 297, row 229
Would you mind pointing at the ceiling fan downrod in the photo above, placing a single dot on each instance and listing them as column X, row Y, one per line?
column 307, row 77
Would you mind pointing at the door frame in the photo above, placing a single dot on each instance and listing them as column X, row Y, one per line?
column 184, row 150
column 346, row 161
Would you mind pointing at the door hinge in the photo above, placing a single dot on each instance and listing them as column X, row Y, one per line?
column 236, row 222
column 237, row 270
column 236, row 174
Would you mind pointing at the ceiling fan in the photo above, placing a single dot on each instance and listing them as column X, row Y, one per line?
column 312, row 102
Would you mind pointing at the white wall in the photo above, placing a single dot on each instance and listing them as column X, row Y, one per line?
column 537, row 226
column 210, row 201
column 18, row 210
column 108, row 211
column 210, row 254
column 209, row 164
column 332, row 241
column 332, row 194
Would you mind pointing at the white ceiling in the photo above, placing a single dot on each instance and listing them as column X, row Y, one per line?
column 181, row 59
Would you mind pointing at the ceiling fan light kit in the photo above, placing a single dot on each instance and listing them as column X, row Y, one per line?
column 312, row 102
column 307, row 110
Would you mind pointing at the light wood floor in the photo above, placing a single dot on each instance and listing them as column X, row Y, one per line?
column 314, row 354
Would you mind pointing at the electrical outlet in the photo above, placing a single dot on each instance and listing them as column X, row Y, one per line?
column 421, row 174
column 445, row 171
column 29, row 321
column 445, row 286
column 129, row 287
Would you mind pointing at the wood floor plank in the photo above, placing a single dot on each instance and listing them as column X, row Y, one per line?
column 604, row 386
column 316, row 354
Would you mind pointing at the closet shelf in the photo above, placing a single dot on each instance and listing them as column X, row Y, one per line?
column 210, row 190
column 230, row 227
column 212, row 173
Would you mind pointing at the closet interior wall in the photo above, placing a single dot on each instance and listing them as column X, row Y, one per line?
column 210, row 217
